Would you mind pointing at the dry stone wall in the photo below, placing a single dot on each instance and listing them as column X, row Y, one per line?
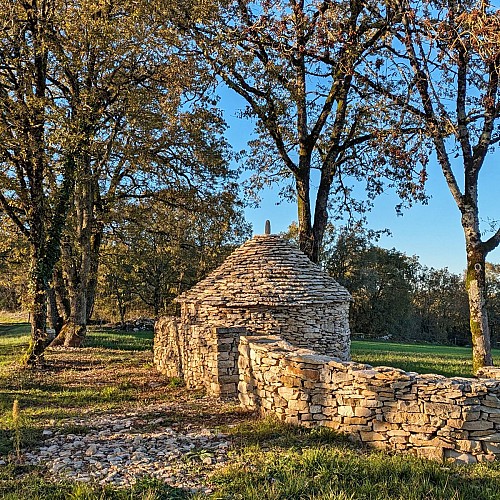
column 202, row 355
column 167, row 348
column 321, row 327
column 428, row 415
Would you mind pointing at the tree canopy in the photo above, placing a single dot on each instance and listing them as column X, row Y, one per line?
column 294, row 63
column 95, row 107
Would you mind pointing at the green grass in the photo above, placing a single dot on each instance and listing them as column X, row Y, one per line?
column 270, row 460
column 99, row 377
column 123, row 341
column 421, row 358
column 281, row 462
column 14, row 339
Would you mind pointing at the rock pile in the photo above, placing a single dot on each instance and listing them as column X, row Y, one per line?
column 120, row 448
column 429, row 415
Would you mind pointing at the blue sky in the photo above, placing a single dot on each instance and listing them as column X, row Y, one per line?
column 432, row 232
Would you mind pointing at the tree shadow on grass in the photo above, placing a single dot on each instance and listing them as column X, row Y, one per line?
column 14, row 330
column 270, row 433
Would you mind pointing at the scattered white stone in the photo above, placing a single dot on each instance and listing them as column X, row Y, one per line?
column 117, row 450
column 91, row 450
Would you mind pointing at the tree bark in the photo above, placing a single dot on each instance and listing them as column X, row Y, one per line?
column 54, row 318
column 306, row 236
column 74, row 330
column 77, row 262
column 62, row 298
column 38, row 342
column 476, row 290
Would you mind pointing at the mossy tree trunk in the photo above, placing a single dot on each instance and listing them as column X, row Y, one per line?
column 77, row 255
column 479, row 327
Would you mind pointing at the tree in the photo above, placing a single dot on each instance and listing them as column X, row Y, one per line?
column 441, row 307
column 294, row 62
column 14, row 258
column 443, row 73
column 155, row 251
column 36, row 179
column 85, row 91
column 379, row 280
column 145, row 122
column 493, row 286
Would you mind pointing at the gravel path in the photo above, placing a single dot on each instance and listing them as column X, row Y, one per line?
column 119, row 448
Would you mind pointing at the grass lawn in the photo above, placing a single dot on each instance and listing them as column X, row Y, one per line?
column 421, row 358
column 269, row 460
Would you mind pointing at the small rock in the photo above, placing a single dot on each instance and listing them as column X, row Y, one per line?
column 91, row 450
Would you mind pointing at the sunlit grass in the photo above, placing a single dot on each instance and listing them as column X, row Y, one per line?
column 14, row 339
column 275, row 461
column 97, row 378
column 124, row 341
column 422, row 358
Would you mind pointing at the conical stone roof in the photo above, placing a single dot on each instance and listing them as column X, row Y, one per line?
column 266, row 270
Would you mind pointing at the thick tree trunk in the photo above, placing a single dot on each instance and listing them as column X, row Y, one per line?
column 74, row 330
column 54, row 318
column 77, row 266
column 38, row 341
column 62, row 298
column 311, row 236
column 306, row 236
column 476, row 289
column 94, row 268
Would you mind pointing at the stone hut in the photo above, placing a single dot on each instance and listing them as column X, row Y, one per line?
column 266, row 287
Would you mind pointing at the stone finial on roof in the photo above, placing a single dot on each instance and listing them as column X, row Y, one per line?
column 268, row 227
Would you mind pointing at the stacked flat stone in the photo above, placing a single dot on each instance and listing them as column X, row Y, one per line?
column 428, row 415
column 267, row 286
column 204, row 357
column 267, row 270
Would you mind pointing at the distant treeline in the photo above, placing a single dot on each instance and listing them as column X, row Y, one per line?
column 147, row 260
column 396, row 297
column 150, row 254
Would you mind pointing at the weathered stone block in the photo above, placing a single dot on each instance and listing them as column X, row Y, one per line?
column 478, row 425
column 360, row 411
column 345, row 411
column 491, row 448
column 372, row 436
column 355, row 421
column 298, row 405
column 469, row 445
column 429, row 452
column 456, row 456
column 445, row 410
